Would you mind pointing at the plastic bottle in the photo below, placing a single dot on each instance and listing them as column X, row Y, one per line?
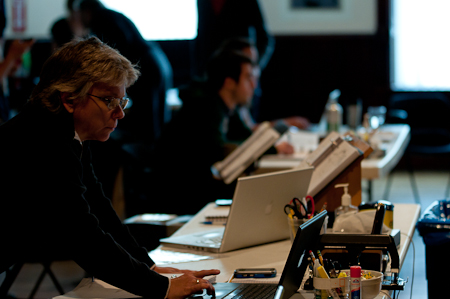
column 355, row 282
column 346, row 200
column 333, row 112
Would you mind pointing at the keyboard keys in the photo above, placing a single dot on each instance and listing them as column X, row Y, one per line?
column 253, row 291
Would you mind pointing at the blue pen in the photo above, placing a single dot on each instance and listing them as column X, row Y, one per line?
column 211, row 223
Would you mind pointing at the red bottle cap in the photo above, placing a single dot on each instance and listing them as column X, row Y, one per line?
column 355, row 271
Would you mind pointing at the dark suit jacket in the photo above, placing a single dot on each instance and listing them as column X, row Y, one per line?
column 237, row 18
column 197, row 136
column 147, row 114
column 52, row 205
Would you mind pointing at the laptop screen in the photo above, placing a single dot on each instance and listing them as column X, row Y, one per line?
column 306, row 239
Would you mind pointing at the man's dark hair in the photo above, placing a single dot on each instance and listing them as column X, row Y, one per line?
column 224, row 65
column 88, row 5
column 235, row 44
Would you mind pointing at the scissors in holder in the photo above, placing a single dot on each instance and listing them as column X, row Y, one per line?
column 310, row 199
column 296, row 208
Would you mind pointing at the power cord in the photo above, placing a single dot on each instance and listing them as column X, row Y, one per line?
column 386, row 293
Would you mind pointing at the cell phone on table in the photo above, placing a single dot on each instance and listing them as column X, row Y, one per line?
column 255, row 273
column 223, row 202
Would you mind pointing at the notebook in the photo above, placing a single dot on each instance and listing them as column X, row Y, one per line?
column 294, row 269
column 256, row 214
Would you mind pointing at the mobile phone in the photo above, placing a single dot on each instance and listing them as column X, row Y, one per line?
column 255, row 273
column 224, row 202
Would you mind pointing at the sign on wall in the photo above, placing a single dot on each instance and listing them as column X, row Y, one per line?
column 320, row 17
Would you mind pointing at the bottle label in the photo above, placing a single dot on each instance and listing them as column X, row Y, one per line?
column 355, row 288
column 333, row 127
column 334, row 121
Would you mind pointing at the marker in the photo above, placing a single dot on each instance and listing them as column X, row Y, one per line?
column 316, row 266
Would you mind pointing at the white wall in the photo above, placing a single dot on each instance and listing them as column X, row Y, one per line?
column 352, row 17
column 41, row 14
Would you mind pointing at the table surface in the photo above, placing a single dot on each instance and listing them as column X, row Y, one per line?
column 394, row 139
column 273, row 255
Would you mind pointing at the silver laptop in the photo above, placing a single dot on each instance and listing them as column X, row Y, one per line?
column 256, row 214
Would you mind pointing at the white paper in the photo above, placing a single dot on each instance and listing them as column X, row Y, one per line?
column 210, row 278
column 166, row 257
column 96, row 289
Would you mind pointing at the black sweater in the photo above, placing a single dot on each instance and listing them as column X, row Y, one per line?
column 52, row 205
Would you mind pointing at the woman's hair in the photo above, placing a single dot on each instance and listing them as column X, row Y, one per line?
column 76, row 67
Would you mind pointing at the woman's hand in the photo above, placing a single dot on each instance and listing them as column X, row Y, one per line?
column 191, row 282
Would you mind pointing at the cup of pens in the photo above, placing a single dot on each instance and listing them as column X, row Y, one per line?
column 294, row 224
column 300, row 211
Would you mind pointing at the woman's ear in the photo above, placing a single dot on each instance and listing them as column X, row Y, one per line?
column 67, row 102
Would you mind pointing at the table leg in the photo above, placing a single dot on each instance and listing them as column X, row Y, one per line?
column 369, row 190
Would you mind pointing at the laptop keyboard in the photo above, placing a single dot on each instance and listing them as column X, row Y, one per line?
column 253, row 291
column 211, row 241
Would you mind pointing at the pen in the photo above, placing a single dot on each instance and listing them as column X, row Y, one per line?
column 323, row 274
column 305, row 205
column 319, row 255
column 211, row 223
column 313, row 208
column 331, row 270
column 313, row 258
column 292, row 225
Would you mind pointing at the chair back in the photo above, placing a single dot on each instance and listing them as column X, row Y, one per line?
column 424, row 109
column 427, row 115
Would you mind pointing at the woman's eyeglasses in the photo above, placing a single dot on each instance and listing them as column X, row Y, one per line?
column 113, row 103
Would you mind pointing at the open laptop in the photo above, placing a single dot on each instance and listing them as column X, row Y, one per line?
column 256, row 214
column 294, row 269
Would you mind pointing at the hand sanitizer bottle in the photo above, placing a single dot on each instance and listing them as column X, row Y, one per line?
column 346, row 200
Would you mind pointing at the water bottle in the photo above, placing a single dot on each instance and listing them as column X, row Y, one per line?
column 334, row 112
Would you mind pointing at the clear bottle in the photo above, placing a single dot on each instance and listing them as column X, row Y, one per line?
column 334, row 112
column 346, row 200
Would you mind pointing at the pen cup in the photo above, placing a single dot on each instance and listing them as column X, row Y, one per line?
column 294, row 223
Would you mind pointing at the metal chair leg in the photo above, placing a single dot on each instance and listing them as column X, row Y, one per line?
column 55, row 281
column 46, row 270
column 447, row 191
column 415, row 190
column 37, row 284
column 412, row 178
column 387, row 188
column 11, row 275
